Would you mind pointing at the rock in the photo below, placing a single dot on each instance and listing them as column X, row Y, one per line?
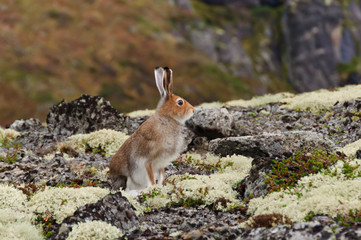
column 113, row 209
column 31, row 124
column 83, row 115
column 132, row 124
column 211, row 123
column 271, row 144
column 254, row 184
column 312, row 31
column 31, row 168
column 304, row 230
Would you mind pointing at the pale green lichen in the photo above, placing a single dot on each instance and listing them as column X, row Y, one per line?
column 216, row 189
column 105, row 140
column 141, row 113
column 211, row 105
column 8, row 133
column 261, row 100
column 350, row 149
column 229, row 163
column 316, row 101
column 15, row 218
column 322, row 100
column 329, row 192
column 20, row 231
column 94, row 230
column 62, row 202
column 11, row 197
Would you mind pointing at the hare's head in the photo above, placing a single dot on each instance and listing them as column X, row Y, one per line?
column 170, row 104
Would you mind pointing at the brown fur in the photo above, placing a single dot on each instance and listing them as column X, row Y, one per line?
column 156, row 138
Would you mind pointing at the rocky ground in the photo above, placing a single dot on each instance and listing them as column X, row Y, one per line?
column 40, row 157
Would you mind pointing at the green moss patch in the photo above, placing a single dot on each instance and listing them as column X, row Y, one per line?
column 287, row 172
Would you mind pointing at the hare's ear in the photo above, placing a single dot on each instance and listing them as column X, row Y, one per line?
column 168, row 81
column 159, row 77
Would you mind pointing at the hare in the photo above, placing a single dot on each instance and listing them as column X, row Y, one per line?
column 140, row 161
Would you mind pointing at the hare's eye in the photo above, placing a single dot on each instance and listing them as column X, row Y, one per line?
column 180, row 102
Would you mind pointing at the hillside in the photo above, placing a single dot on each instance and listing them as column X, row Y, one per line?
column 277, row 166
column 61, row 49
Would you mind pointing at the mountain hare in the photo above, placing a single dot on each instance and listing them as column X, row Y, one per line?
column 140, row 161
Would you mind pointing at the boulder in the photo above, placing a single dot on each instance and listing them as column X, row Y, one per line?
column 25, row 125
column 83, row 115
column 303, row 230
column 211, row 123
column 271, row 144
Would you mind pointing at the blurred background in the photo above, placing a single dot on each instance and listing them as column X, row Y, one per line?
column 218, row 49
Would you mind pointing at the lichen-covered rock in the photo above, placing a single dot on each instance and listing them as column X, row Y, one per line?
column 27, row 125
column 302, row 230
column 113, row 209
column 212, row 123
column 132, row 124
column 270, row 144
column 83, row 115
column 53, row 169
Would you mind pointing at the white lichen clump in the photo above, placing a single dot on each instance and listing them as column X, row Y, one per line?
column 94, row 230
column 8, row 133
column 11, row 197
column 261, row 100
column 350, row 149
column 107, row 140
column 141, row 113
column 320, row 100
column 217, row 188
column 20, row 230
column 62, row 202
column 328, row 192
column 15, row 219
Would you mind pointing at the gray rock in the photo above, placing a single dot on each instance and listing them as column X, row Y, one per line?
column 83, row 115
column 302, row 230
column 31, row 124
column 311, row 37
column 271, row 144
column 211, row 123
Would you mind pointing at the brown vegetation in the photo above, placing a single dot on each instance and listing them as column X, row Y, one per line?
column 54, row 50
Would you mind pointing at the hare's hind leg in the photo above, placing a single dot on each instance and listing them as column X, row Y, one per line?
column 149, row 167
column 118, row 181
column 159, row 176
column 139, row 178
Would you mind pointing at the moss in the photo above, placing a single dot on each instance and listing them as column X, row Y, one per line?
column 287, row 172
column 268, row 221
column 7, row 138
column 9, row 157
column 214, row 15
column 353, row 217
column 228, row 79
column 94, row 230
